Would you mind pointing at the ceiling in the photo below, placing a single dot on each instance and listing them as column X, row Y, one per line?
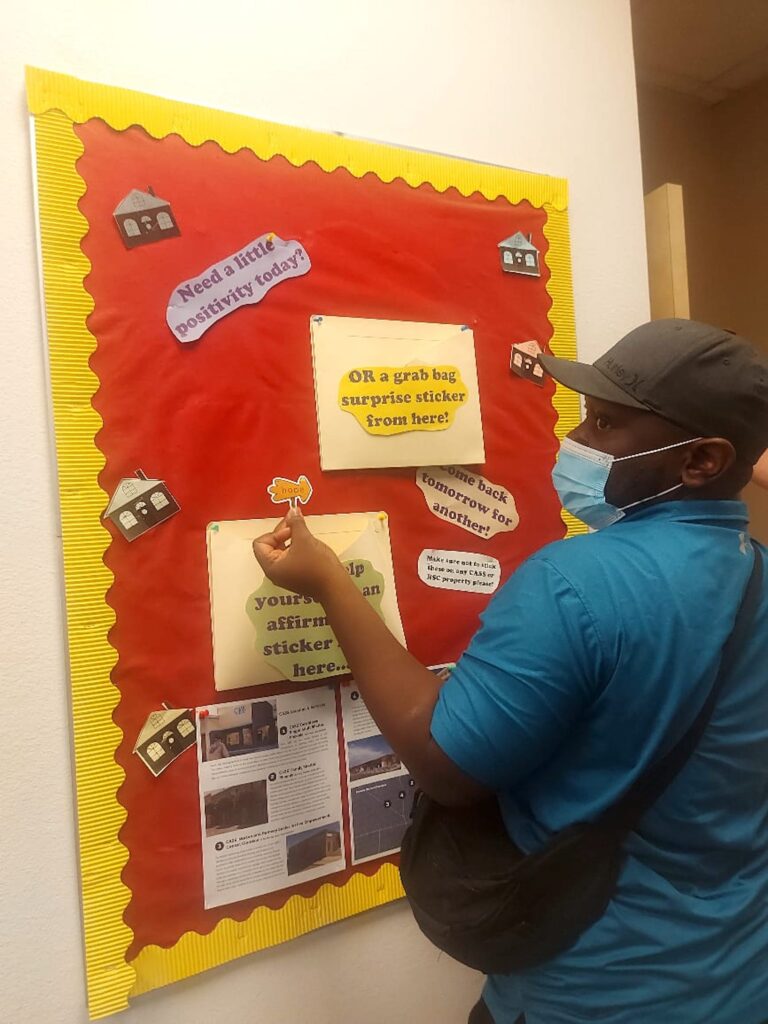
column 710, row 49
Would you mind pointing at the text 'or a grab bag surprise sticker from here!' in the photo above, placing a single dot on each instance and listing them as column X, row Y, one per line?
column 388, row 400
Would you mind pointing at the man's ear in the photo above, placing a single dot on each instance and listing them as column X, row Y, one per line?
column 707, row 461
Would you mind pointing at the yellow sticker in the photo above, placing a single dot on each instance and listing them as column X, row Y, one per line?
column 389, row 400
column 293, row 491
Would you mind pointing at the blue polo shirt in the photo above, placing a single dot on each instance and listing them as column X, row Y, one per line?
column 591, row 661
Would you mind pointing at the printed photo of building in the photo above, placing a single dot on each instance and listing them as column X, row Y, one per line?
column 240, row 729
column 313, row 847
column 371, row 756
column 236, row 807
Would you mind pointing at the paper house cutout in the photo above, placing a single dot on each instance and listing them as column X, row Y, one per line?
column 143, row 217
column 524, row 361
column 140, row 503
column 519, row 255
column 164, row 736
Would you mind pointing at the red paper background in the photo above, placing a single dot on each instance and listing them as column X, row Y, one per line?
column 218, row 418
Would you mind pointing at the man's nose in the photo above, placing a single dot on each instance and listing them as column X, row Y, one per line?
column 578, row 434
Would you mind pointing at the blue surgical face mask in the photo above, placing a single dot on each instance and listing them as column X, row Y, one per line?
column 580, row 476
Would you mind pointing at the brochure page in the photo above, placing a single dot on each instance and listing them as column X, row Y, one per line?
column 270, row 794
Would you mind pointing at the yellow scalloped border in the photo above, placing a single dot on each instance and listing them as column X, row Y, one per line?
column 86, row 577
column 562, row 317
column 120, row 108
column 58, row 102
column 264, row 928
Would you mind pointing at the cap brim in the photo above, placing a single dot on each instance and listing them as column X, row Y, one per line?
column 587, row 380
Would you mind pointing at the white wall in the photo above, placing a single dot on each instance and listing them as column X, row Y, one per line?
column 546, row 86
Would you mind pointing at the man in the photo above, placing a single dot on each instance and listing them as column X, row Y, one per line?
column 760, row 474
column 592, row 661
column 217, row 748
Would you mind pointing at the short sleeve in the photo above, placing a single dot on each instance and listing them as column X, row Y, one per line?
column 529, row 673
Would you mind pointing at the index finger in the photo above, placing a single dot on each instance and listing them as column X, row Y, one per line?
column 275, row 540
column 280, row 530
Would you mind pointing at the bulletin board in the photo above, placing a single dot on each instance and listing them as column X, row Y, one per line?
column 215, row 404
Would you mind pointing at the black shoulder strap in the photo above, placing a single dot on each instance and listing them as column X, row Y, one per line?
column 644, row 793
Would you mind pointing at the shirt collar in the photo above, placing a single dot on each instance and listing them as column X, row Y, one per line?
column 731, row 514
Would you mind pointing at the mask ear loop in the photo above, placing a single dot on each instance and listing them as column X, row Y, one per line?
column 669, row 490
column 655, row 451
column 652, row 497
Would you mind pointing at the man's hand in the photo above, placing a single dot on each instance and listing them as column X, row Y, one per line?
column 399, row 692
column 306, row 565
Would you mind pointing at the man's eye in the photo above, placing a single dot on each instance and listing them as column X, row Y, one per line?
column 602, row 423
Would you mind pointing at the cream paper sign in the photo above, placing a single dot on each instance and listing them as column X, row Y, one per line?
column 394, row 393
column 263, row 634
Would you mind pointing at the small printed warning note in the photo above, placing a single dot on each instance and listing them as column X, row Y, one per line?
column 459, row 570
column 388, row 400
column 468, row 500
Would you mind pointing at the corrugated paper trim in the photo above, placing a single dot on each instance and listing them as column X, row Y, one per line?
column 121, row 108
column 86, row 577
column 58, row 101
column 264, row 928
column 563, row 319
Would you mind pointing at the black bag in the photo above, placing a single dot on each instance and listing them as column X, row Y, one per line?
column 479, row 898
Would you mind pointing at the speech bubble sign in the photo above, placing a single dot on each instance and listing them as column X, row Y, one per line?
column 241, row 279
column 459, row 570
column 388, row 400
column 468, row 500
column 292, row 632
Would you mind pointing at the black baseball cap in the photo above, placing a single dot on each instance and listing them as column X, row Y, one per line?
column 705, row 379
